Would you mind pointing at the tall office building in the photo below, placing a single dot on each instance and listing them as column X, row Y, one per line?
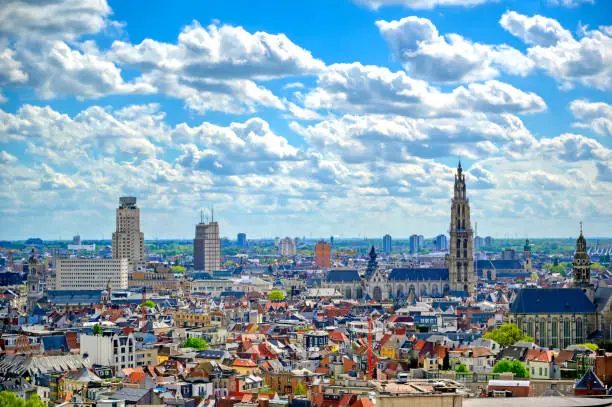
column 323, row 254
column 242, row 241
column 415, row 244
column 460, row 258
column 488, row 241
column 387, row 244
column 207, row 246
column 478, row 242
column 128, row 240
column 441, row 243
column 287, row 247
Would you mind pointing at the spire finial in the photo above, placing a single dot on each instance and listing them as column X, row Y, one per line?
column 201, row 215
column 581, row 227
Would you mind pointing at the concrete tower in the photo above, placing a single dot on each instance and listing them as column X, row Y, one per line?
column 128, row 240
column 461, row 259
column 207, row 246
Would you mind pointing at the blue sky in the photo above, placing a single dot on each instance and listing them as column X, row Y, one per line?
column 306, row 117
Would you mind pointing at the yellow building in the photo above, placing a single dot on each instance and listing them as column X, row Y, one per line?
column 186, row 319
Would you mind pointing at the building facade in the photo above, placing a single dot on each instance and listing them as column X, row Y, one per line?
column 207, row 247
column 323, row 254
column 91, row 274
column 415, row 244
column 109, row 350
column 387, row 244
column 128, row 240
column 461, row 259
column 287, row 247
column 242, row 240
column 441, row 243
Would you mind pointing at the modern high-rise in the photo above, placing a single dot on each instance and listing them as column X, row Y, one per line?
column 91, row 274
column 207, row 247
column 242, row 241
column 488, row 241
column 461, row 259
column 128, row 240
column 287, row 247
column 441, row 243
column 323, row 254
column 478, row 242
column 387, row 243
column 415, row 244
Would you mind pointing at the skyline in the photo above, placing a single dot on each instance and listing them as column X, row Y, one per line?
column 253, row 109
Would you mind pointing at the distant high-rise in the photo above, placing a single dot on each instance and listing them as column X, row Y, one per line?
column 128, row 240
column 242, row 241
column 331, row 241
column 287, row 247
column 76, row 240
column 387, row 244
column 441, row 243
column 415, row 244
column 207, row 246
column 421, row 241
column 323, row 254
column 488, row 241
column 478, row 242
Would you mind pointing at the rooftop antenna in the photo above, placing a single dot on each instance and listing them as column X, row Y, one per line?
column 212, row 213
column 201, row 215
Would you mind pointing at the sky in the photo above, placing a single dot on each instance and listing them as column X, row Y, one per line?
column 305, row 118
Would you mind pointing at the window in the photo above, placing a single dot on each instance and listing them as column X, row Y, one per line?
column 555, row 334
column 530, row 327
column 542, row 332
column 540, row 370
column 579, row 331
column 566, row 333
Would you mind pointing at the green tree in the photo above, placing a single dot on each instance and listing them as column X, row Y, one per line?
column 196, row 343
column 149, row 304
column 462, row 368
column 178, row 269
column 34, row 401
column 276, row 295
column 507, row 334
column 10, row 399
column 516, row 367
column 300, row 390
column 97, row 329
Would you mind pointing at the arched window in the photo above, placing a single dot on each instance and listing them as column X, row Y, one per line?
column 554, row 337
column 566, row 333
column 579, row 331
column 348, row 293
column 359, row 294
column 377, row 293
column 530, row 328
column 542, row 332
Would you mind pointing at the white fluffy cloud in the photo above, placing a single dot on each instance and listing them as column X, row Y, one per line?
column 570, row 3
column 421, row 4
column 355, row 88
column 587, row 60
column 596, row 116
column 60, row 19
column 451, row 58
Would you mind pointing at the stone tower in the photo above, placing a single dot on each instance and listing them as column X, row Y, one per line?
column 35, row 282
column 460, row 258
column 527, row 255
column 581, row 263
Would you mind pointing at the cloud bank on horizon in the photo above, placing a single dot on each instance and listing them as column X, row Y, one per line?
column 293, row 128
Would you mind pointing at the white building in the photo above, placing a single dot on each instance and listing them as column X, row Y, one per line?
column 90, row 274
column 128, row 240
column 106, row 350
column 287, row 247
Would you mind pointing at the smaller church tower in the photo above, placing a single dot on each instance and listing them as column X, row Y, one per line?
column 372, row 263
column 582, row 264
column 35, row 282
column 527, row 255
column 105, row 296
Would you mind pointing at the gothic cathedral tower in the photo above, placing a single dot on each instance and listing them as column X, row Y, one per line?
column 460, row 259
column 582, row 263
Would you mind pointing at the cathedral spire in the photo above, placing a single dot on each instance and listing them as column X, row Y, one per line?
column 581, row 263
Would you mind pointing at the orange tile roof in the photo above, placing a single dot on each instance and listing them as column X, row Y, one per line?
column 244, row 363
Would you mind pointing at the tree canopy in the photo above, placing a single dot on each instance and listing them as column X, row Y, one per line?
column 149, row 304
column 276, row 295
column 300, row 390
column 461, row 368
column 196, row 343
column 590, row 345
column 10, row 399
column 178, row 269
column 507, row 334
column 97, row 329
column 516, row 367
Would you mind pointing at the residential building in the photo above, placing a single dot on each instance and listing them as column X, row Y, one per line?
column 323, row 254
column 207, row 247
column 91, row 274
column 478, row 242
column 387, row 244
column 489, row 241
column 109, row 350
column 242, row 240
column 128, row 240
column 415, row 245
column 441, row 243
column 287, row 247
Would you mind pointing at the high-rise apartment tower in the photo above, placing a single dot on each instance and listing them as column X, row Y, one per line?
column 128, row 240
